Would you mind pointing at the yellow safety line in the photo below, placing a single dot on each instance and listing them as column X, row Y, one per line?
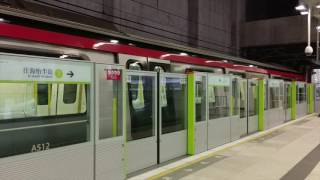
column 166, row 172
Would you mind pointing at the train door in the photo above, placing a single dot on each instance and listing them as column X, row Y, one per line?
column 275, row 114
column 243, row 107
column 235, row 131
column 197, row 113
column 252, row 105
column 301, row 99
column 141, row 125
column 219, row 99
column 172, row 116
column 287, row 100
column 43, row 128
column 70, row 98
column 109, row 134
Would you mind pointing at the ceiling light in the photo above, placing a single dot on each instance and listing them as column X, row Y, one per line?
column 304, row 12
column 183, row 54
column 301, row 7
column 114, row 41
column 318, row 6
column 63, row 56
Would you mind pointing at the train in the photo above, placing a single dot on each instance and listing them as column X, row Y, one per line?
column 75, row 107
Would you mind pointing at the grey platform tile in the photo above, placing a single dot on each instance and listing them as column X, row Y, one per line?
column 304, row 167
column 303, row 122
column 268, row 137
column 189, row 170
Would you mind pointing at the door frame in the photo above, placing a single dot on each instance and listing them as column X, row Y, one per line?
column 183, row 132
column 152, row 160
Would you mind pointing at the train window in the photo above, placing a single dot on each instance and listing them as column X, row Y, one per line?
column 17, row 100
column 174, row 113
column 218, row 101
column 219, row 96
column 287, row 98
column 26, row 126
column 43, row 93
column 274, row 97
column 301, row 93
column 200, row 100
column 137, row 94
column 253, row 99
column 109, row 105
column 243, row 99
column 70, row 93
column 281, row 94
column 140, row 122
column 235, row 97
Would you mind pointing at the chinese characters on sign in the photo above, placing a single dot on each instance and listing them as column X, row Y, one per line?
column 32, row 72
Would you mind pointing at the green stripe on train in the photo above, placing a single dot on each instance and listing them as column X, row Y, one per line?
column 261, row 105
column 191, row 114
column 293, row 100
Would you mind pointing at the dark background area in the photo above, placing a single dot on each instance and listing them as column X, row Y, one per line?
column 267, row 9
column 214, row 25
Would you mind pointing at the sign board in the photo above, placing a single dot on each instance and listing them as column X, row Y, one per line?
column 29, row 68
column 274, row 83
column 219, row 81
column 113, row 74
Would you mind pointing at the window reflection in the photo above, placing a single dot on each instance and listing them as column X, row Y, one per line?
column 243, row 99
column 301, row 93
column 274, row 97
column 287, row 99
column 174, row 106
column 34, row 113
column 200, row 100
column 141, row 104
column 253, row 99
column 218, row 101
column 235, row 97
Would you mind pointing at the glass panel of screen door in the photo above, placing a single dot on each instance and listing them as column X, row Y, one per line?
column 173, row 104
column 140, row 101
column 219, row 96
column 200, row 98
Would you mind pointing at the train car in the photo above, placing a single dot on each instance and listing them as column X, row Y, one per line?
column 77, row 107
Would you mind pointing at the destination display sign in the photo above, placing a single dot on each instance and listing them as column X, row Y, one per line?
column 274, row 83
column 113, row 74
column 29, row 68
column 219, row 81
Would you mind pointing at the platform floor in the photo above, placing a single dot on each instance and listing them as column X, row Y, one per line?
column 288, row 152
